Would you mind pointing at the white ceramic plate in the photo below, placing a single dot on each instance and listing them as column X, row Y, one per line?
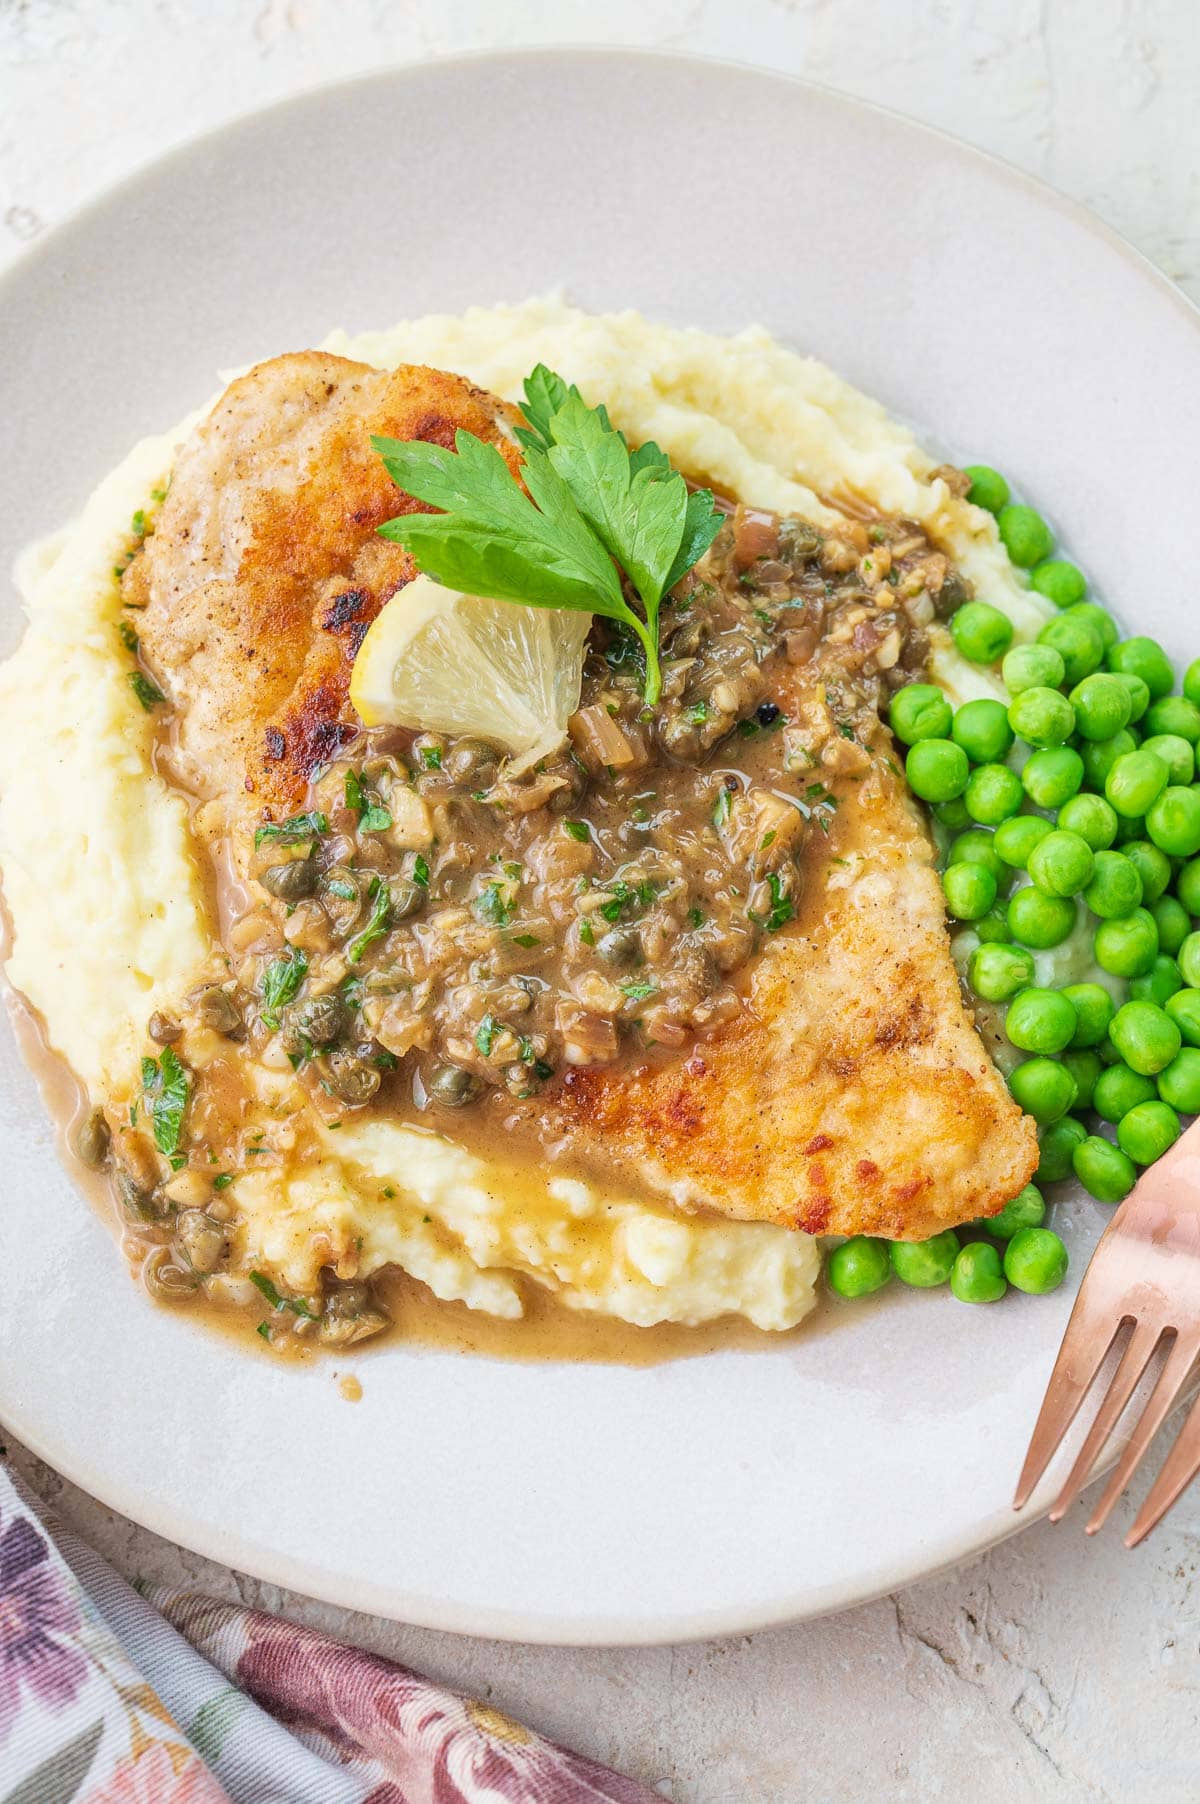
column 556, row 1503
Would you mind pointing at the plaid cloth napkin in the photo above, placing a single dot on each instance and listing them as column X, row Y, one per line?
column 108, row 1697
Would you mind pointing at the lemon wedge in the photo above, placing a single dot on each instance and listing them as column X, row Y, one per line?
column 451, row 663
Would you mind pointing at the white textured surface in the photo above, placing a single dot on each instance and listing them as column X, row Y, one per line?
column 1053, row 1669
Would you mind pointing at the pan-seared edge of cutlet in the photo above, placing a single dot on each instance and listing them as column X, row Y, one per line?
column 854, row 1095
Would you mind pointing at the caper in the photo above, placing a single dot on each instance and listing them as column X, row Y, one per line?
column 135, row 1199
column 620, row 946
column 166, row 1280
column 201, row 1240
column 799, row 541
column 453, row 1087
column 471, row 762
column 340, row 1328
column 162, row 1030
column 93, row 1138
column 217, row 1009
column 407, row 898
column 352, row 1077
column 291, row 882
column 321, row 1019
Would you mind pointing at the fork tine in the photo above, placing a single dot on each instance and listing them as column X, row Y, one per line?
column 1134, row 1361
column 1085, row 1344
column 1170, row 1382
column 1179, row 1468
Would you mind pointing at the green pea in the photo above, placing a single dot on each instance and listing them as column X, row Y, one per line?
column 977, row 1275
column 1191, row 682
column 1033, row 667
column 1085, row 1068
column 1101, row 619
column 1152, row 866
column 1159, row 983
column 1127, row 947
column 1041, row 716
column 1173, row 923
column 1079, row 642
column 1148, row 1131
column 1062, row 864
column 1179, row 1082
column 1093, row 1011
column 1173, row 820
column 1043, row 1087
column 1026, row 537
column 1103, row 1169
column 992, row 927
column 977, row 846
column 937, row 769
column 988, row 488
column 920, row 711
column 1038, row 920
column 1056, row 1143
column 1052, row 776
column 1175, row 752
column 858, row 1266
column 1135, row 782
column 981, row 632
column 1145, row 1036
column 981, row 728
column 1118, row 1089
column 925, row 1263
column 1102, row 705
column 1094, row 819
column 997, row 972
column 1059, row 582
column 1040, row 1021
column 1026, row 1210
column 993, row 794
column 1015, row 838
column 1184, row 1010
column 970, row 890
column 1115, row 888
column 1035, row 1261
column 952, row 814
column 1144, row 658
column 1189, row 960
column 1099, row 756
column 1174, row 714
column 1139, row 694
column 1187, row 886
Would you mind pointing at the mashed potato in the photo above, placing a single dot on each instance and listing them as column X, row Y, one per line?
column 111, row 912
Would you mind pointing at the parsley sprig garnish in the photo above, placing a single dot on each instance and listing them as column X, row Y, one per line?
column 594, row 509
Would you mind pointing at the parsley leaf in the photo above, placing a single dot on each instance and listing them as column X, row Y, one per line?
column 578, row 830
column 638, row 991
column 264, row 1286
column 166, row 1085
column 485, row 1035
column 292, row 831
column 147, row 692
column 591, row 505
column 281, row 983
column 376, row 927
column 373, row 817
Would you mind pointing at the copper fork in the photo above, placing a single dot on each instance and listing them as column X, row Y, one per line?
column 1144, row 1273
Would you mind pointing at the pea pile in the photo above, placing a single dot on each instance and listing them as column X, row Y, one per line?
column 1081, row 790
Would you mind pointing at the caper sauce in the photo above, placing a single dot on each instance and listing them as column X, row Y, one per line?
column 431, row 931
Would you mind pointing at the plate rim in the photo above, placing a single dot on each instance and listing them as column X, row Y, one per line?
column 171, row 1521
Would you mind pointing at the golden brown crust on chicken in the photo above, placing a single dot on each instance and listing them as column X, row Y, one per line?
column 265, row 568
column 854, row 1095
